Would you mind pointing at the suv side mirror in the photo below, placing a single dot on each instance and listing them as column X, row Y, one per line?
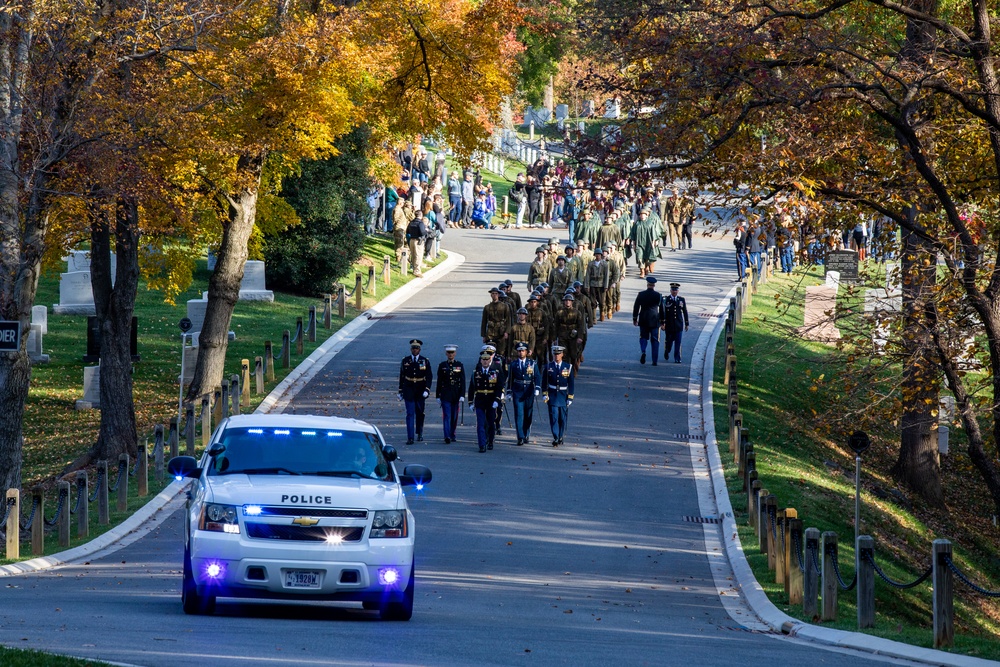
column 184, row 466
column 216, row 449
column 414, row 475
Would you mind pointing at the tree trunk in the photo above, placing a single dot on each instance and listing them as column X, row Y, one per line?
column 115, row 306
column 918, row 465
column 224, row 285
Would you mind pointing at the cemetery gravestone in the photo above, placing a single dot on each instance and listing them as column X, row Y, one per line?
column 76, row 295
column 94, row 341
column 833, row 279
column 35, row 345
column 91, row 389
column 844, row 263
column 40, row 316
column 252, row 288
column 821, row 303
column 562, row 111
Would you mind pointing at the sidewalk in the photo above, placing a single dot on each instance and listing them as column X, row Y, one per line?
column 163, row 505
column 702, row 412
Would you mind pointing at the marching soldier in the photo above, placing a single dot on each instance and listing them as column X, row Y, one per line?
column 496, row 321
column 450, row 391
column 609, row 233
column 415, row 378
column 573, row 263
column 674, row 316
column 558, row 384
column 525, row 383
column 570, row 330
column 501, row 362
column 542, row 323
column 584, row 304
column 523, row 331
column 559, row 277
column 539, row 270
column 514, row 297
column 616, row 270
column 485, row 392
column 646, row 316
column 504, row 347
column 598, row 277
column 554, row 252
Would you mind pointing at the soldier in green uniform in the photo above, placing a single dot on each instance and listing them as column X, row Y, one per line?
column 609, row 232
column 541, row 321
column 514, row 297
column 598, row 279
column 570, row 330
column 554, row 252
column 523, row 332
column 584, row 304
column 559, row 277
column 539, row 270
column 573, row 263
column 505, row 346
column 616, row 270
column 496, row 323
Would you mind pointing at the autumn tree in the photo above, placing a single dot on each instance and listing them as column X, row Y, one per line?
column 869, row 107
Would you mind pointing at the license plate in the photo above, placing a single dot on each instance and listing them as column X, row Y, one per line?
column 302, row 579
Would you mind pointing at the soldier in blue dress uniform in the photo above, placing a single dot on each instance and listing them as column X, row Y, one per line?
column 450, row 391
column 557, row 382
column 485, row 391
column 415, row 378
column 525, row 383
column 646, row 316
column 674, row 315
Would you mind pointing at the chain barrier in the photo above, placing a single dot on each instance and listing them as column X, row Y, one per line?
column 31, row 515
column 784, row 549
column 815, row 558
column 797, row 546
column 97, row 485
column 772, row 520
column 965, row 580
column 896, row 584
column 121, row 473
column 347, row 295
column 836, row 571
column 59, row 508
column 79, row 499
column 298, row 333
column 6, row 511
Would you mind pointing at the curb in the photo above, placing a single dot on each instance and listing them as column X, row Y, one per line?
column 283, row 393
column 752, row 592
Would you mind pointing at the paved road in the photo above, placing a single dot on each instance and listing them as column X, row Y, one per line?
column 526, row 555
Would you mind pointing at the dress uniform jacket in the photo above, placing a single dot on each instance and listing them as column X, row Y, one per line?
column 673, row 313
column 525, row 378
column 486, row 386
column 558, row 383
column 415, row 377
column 451, row 381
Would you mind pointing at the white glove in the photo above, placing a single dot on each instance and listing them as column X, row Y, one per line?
column 461, row 399
column 495, row 405
column 426, row 394
column 536, row 392
column 569, row 403
column 439, row 402
column 399, row 397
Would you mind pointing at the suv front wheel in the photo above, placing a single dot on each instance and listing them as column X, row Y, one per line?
column 399, row 608
column 192, row 602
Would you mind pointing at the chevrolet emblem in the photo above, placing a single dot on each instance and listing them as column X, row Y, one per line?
column 305, row 521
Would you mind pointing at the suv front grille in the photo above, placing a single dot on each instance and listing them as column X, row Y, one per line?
column 313, row 511
column 270, row 531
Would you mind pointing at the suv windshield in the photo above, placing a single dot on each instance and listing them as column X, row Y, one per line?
column 300, row 451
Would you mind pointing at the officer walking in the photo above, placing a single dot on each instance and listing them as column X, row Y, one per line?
column 415, row 378
column 558, row 384
column 450, row 391
column 525, row 383
column 646, row 316
column 485, row 390
column 674, row 316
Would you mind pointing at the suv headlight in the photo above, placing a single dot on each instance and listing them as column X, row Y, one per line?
column 389, row 523
column 219, row 519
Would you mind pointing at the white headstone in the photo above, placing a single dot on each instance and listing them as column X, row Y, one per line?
column 77, row 260
column 35, row 345
column 76, row 295
column 196, row 313
column 562, row 111
column 542, row 115
column 833, row 279
column 529, row 116
column 612, row 108
column 91, row 389
column 588, row 108
column 943, row 439
column 582, row 127
column 946, row 409
column 821, row 304
column 212, row 259
column 190, row 361
column 252, row 288
column 40, row 316
column 893, row 277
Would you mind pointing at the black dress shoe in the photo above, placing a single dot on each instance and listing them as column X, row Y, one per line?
column 409, row 442
column 642, row 358
column 555, row 443
column 499, row 432
column 560, row 441
column 420, row 437
column 489, row 446
column 654, row 363
column 677, row 361
column 482, row 449
column 447, row 441
column 520, row 442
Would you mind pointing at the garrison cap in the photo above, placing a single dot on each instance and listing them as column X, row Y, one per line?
column 416, row 343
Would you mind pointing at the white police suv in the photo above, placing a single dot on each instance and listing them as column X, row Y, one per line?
column 299, row 507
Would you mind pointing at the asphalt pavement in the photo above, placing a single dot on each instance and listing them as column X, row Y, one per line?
column 586, row 554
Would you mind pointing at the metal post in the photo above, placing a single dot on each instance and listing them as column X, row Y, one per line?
column 38, row 525
column 810, row 578
column 64, row 518
column 103, row 511
column 865, row 550
column 13, row 524
column 941, row 577
column 83, row 512
column 828, row 578
column 123, row 484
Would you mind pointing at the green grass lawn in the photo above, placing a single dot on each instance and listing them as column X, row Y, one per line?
column 14, row 657
column 55, row 433
column 786, row 385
